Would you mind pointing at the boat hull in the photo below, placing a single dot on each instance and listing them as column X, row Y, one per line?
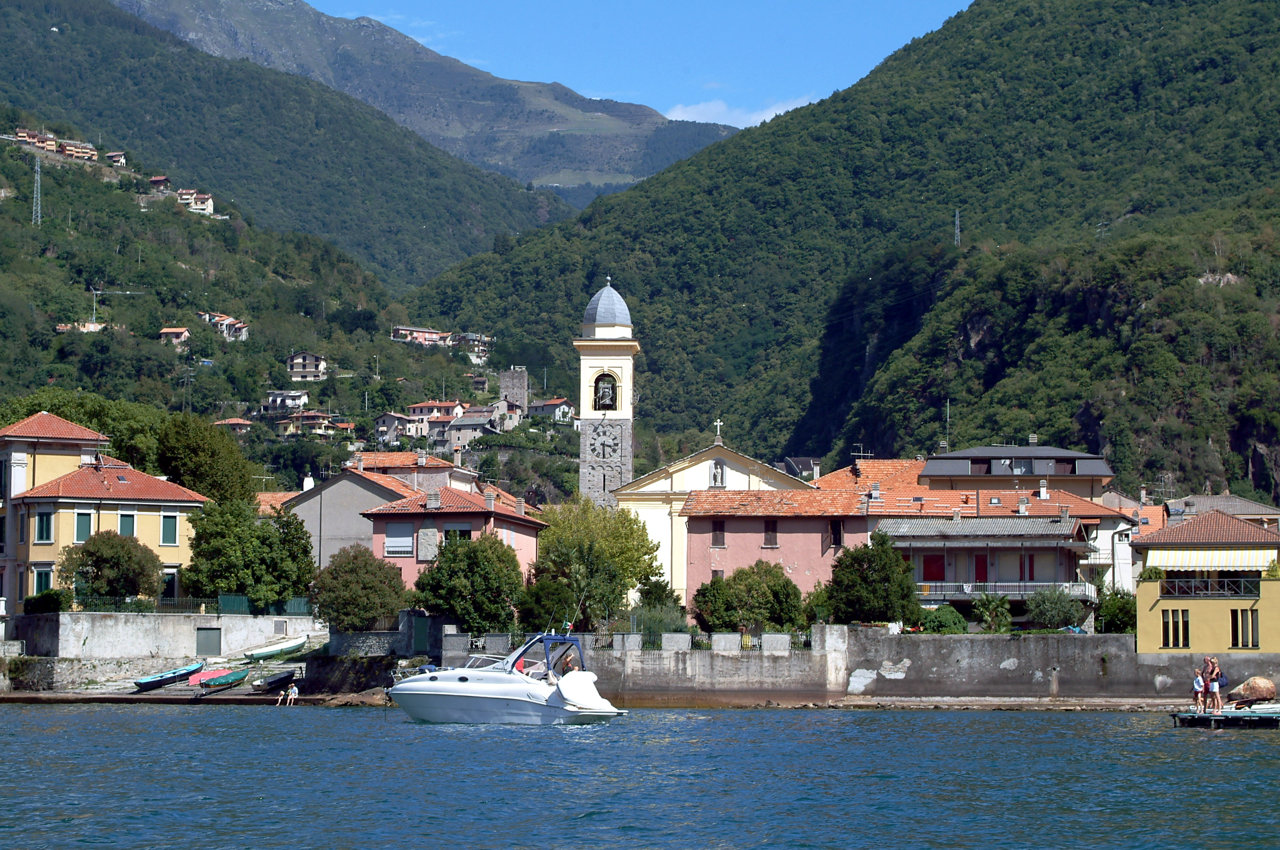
column 276, row 649
column 168, row 677
column 511, row 698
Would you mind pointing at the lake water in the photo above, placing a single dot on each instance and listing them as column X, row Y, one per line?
column 305, row 777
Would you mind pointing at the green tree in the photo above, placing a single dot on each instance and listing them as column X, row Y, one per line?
column 1117, row 612
column 817, row 605
column 233, row 550
column 546, row 603
column 872, row 583
column 110, row 564
column 992, row 611
column 477, row 582
column 656, row 592
column 757, row 597
column 357, row 589
column 1053, row 608
column 600, row 554
column 203, row 458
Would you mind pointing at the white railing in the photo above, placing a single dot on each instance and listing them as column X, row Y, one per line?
column 940, row 591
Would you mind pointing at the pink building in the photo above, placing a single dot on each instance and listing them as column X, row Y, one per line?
column 410, row 532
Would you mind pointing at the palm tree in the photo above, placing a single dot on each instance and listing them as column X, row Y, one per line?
column 992, row 611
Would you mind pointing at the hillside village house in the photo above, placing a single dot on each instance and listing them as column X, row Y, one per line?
column 286, row 401
column 58, row 489
column 410, row 533
column 232, row 330
column 235, row 425
column 307, row 366
column 391, row 427
column 419, row 336
column 177, row 337
column 558, row 409
column 1215, row 596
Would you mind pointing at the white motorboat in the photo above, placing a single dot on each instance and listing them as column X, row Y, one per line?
column 542, row 683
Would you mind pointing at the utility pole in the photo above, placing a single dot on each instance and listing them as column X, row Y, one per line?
column 957, row 228
column 37, row 206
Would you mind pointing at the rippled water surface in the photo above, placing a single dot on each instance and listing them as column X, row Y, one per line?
column 255, row 776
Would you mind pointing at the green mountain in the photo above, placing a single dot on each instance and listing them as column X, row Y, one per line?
column 540, row 133
column 773, row 277
column 292, row 154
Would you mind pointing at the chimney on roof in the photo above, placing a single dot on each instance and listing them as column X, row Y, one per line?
column 457, row 454
column 1142, row 496
column 817, row 469
column 955, row 515
column 360, row 463
column 1044, row 489
column 433, row 500
column 1033, row 439
column 942, row 447
column 1063, row 513
column 422, row 457
column 489, row 499
column 1022, row 505
column 520, row 505
column 875, row 490
column 308, row 483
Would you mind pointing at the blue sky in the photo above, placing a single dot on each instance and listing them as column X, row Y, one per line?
column 732, row 63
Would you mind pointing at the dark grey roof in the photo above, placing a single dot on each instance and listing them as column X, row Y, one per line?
column 936, row 528
column 1015, row 451
column 1042, row 460
column 607, row 308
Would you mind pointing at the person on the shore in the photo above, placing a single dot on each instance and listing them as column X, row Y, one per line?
column 1197, row 690
column 283, row 693
column 293, row 694
column 1215, row 697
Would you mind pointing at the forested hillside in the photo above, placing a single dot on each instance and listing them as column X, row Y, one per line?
column 291, row 154
column 157, row 268
column 771, row 277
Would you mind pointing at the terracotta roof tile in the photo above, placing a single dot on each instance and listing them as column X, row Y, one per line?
column 113, row 483
column 861, row 475
column 46, row 426
column 374, row 461
column 1212, row 529
column 268, row 502
column 390, row 482
column 452, row 500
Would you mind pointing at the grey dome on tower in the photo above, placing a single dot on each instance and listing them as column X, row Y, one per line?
column 607, row 308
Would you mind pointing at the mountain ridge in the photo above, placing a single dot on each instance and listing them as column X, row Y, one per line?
column 540, row 133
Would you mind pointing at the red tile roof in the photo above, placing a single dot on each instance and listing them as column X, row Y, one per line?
column 268, row 502
column 394, row 460
column 390, row 482
column 864, row 473
column 46, row 426
column 113, row 482
column 902, row 501
column 1212, row 529
column 452, row 500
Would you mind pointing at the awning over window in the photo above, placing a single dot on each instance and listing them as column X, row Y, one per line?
column 1210, row 559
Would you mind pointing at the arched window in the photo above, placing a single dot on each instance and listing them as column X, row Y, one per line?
column 606, row 394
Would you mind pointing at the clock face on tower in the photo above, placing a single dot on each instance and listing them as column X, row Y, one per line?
column 606, row 442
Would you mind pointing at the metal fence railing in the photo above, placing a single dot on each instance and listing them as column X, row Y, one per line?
column 942, row 591
column 1220, row 587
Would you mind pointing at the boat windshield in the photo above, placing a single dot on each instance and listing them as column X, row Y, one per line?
column 554, row 654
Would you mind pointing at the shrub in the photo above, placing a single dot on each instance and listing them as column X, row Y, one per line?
column 760, row 596
column 110, row 564
column 1151, row 573
column 477, row 582
column 48, row 602
column 817, row 605
column 944, row 620
column 1053, row 608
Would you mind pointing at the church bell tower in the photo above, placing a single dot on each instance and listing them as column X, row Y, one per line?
column 607, row 354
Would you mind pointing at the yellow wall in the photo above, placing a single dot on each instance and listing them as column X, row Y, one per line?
column 1208, row 618
column 147, row 530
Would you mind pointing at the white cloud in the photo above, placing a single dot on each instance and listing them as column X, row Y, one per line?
column 719, row 112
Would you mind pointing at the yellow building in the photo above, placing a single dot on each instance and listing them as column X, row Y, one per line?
column 59, row 489
column 1214, row 597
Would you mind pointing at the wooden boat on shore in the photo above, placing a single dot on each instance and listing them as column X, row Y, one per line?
column 228, row 680
column 266, row 684
column 168, row 677
column 1264, row 715
column 204, row 675
column 274, row 649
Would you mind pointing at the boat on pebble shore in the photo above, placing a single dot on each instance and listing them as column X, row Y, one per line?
column 168, row 677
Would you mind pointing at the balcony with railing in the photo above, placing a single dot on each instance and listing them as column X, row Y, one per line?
column 946, row 591
column 1221, row 588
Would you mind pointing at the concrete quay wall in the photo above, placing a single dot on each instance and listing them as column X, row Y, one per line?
column 87, row 636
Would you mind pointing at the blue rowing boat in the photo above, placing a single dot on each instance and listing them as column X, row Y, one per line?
column 168, row 677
